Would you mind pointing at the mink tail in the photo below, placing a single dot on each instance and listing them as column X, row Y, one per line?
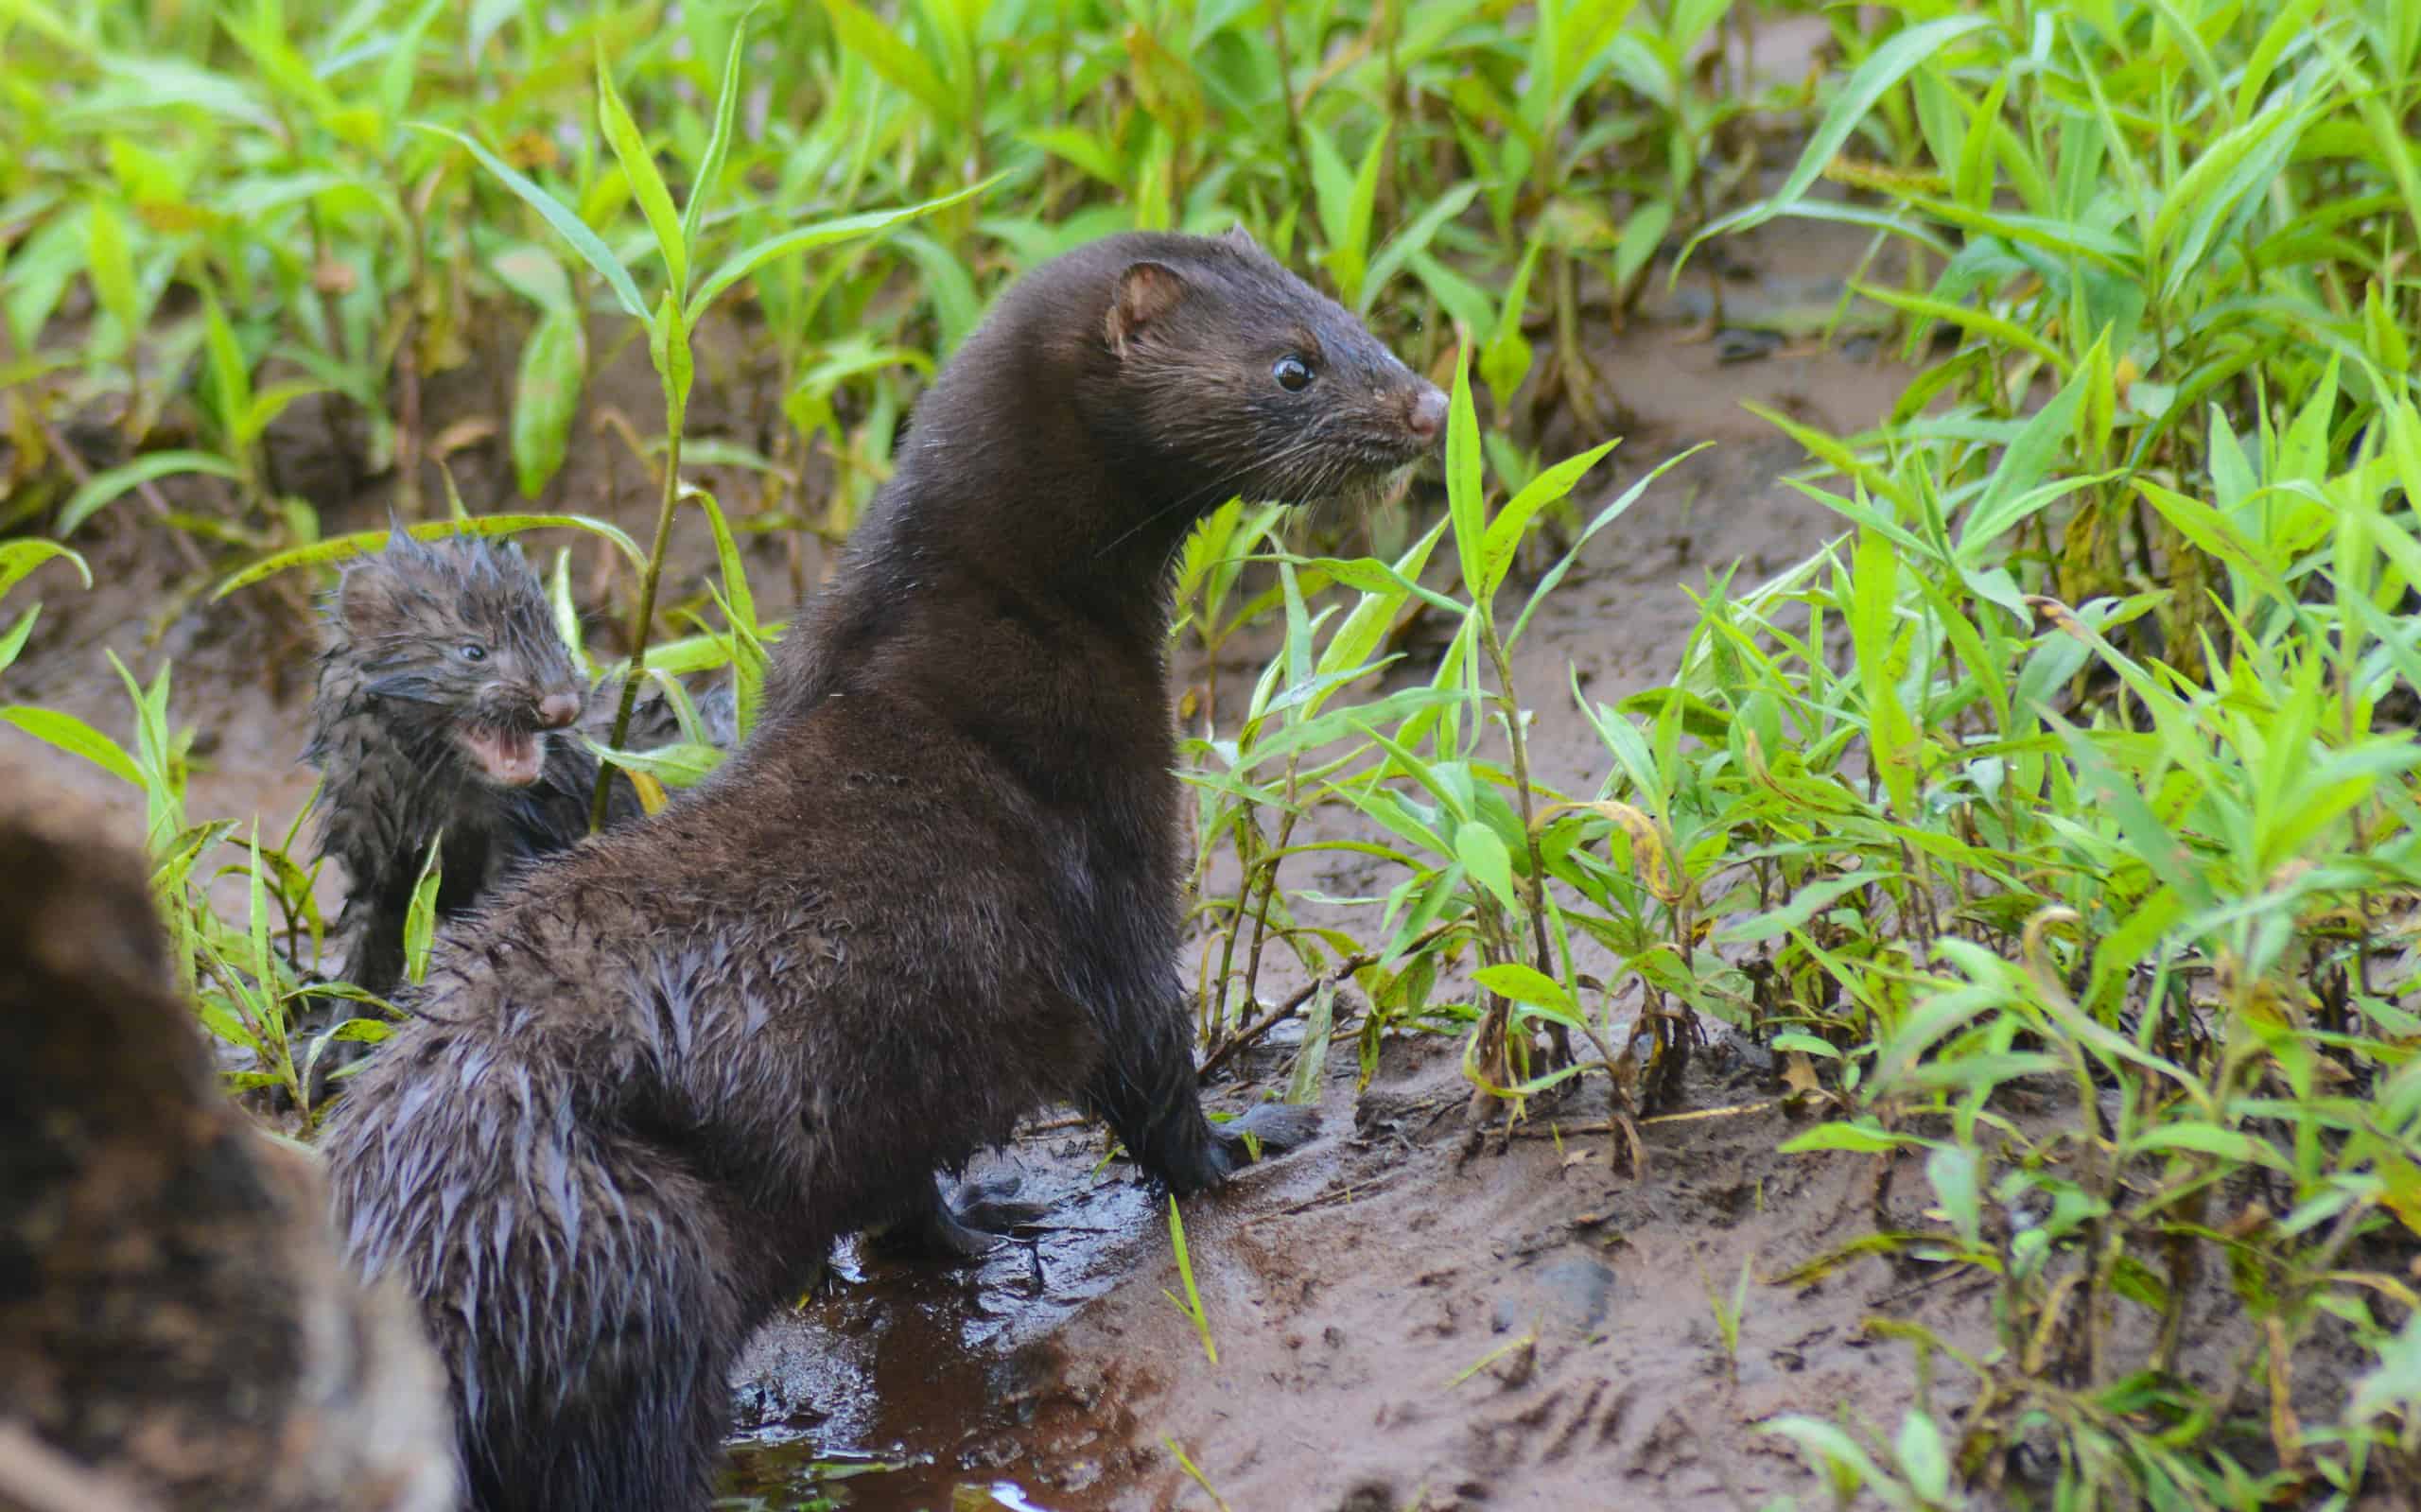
column 580, row 1282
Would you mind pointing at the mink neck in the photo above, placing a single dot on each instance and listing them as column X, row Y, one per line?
column 1013, row 528
column 1025, row 478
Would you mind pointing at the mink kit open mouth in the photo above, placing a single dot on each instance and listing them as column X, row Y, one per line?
column 508, row 759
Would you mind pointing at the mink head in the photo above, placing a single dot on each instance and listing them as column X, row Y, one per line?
column 1236, row 377
column 456, row 653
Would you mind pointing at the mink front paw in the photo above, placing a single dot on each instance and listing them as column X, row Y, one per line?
column 1276, row 1126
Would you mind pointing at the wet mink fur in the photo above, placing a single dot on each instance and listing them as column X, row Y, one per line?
column 445, row 702
column 175, row 1315
column 406, row 731
column 937, row 889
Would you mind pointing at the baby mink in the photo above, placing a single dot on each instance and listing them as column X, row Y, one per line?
column 176, row 1321
column 446, row 702
column 938, row 888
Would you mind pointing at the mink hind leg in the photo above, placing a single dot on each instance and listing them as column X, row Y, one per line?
column 959, row 1228
column 1148, row 1094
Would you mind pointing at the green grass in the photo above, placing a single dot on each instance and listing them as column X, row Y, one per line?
column 2075, row 769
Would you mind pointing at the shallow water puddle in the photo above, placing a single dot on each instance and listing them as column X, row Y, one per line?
column 797, row 1477
column 921, row 1387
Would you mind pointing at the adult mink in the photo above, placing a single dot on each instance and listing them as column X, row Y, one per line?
column 176, row 1320
column 937, row 888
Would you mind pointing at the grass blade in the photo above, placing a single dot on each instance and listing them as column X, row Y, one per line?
column 568, row 225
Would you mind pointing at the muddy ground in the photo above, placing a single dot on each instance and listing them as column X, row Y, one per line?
column 1403, row 1317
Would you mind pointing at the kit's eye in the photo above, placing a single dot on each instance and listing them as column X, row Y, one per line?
column 471, row 650
column 1293, row 373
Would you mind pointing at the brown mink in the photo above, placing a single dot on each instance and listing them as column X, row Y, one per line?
column 175, row 1317
column 937, row 889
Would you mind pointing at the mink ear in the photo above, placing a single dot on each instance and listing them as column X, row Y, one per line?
column 1240, row 239
column 1146, row 293
column 368, row 600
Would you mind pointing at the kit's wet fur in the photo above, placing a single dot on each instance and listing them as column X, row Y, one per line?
column 174, row 1313
column 936, row 890
column 401, row 700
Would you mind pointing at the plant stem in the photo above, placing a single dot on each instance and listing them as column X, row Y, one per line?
column 1337, row 973
column 1269, row 882
column 1511, row 712
column 644, row 617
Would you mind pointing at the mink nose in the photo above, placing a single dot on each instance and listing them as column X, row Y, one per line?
column 1426, row 417
column 558, row 709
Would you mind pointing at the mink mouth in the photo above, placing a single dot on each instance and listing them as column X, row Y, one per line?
column 508, row 759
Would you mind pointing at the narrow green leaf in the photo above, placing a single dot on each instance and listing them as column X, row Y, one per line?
column 1884, row 68
column 420, row 915
column 1348, row 256
column 345, row 548
column 487, row 18
column 2039, row 442
column 668, row 347
column 1527, row 985
column 1861, row 1139
column 231, row 376
column 675, row 766
column 1801, row 906
column 537, row 274
column 646, row 180
column 872, row 39
column 740, row 264
column 1332, row 183
column 727, row 560
column 102, row 488
column 1085, row 150
column 1505, row 360
column 1193, row 1303
column 1505, row 531
column 112, row 271
column 1875, row 632
column 72, row 735
column 1465, row 503
column 568, row 225
column 718, row 146
column 403, row 64
column 1413, row 239
column 1484, row 854
column 13, row 642
column 1968, row 318
column 2151, row 841
column 546, row 397
column 1922, row 1458
column 268, row 405
column 2204, row 1139
column 1319, row 1020
column 19, row 558
column 567, row 614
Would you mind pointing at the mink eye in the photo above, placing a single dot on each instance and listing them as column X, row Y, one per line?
column 1293, row 373
column 471, row 650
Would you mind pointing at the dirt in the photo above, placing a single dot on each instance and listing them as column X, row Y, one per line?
column 1406, row 1314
